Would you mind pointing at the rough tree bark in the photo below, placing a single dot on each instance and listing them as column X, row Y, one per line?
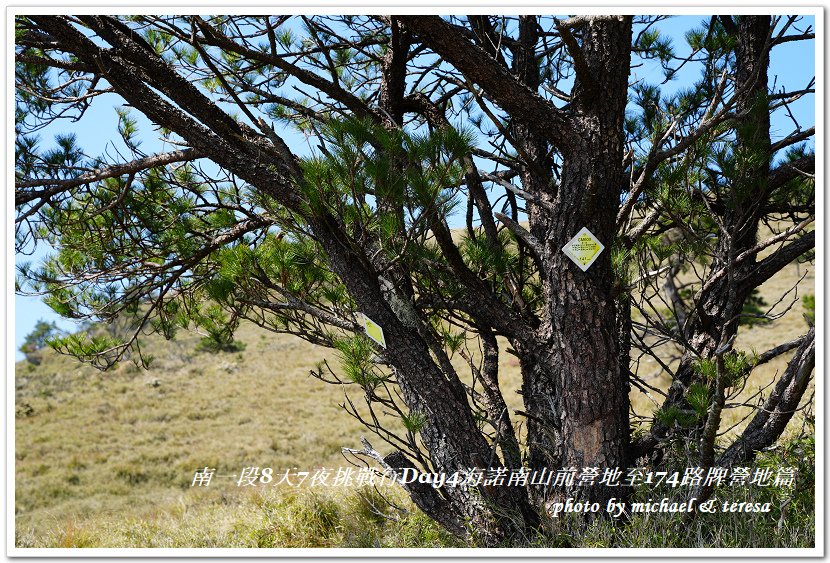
column 572, row 381
column 575, row 397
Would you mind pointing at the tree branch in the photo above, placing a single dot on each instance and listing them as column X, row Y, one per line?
column 23, row 196
column 583, row 72
column 424, row 495
column 474, row 62
column 244, row 157
column 773, row 263
column 788, row 38
column 487, row 37
column 792, row 139
column 772, row 418
column 789, row 170
column 537, row 249
column 335, row 91
column 438, row 120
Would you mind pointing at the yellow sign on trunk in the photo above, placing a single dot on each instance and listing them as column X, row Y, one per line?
column 374, row 331
column 583, row 249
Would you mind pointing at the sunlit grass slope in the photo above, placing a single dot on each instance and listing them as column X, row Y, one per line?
column 107, row 459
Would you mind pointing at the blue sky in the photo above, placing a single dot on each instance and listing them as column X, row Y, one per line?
column 792, row 65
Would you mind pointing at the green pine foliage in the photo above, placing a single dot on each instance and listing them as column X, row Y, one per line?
column 153, row 237
column 357, row 361
column 809, row 303
column 39, row 338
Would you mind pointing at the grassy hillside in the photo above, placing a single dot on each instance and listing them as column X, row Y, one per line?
column 107, row 459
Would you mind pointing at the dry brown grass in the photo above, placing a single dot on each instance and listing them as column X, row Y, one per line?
column 126, row 441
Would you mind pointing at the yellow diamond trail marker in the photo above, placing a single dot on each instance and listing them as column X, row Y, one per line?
column 374, row 331
column 583, row 249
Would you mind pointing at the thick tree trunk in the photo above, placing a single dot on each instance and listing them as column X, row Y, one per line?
column 576, row 397
column 450, row 433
